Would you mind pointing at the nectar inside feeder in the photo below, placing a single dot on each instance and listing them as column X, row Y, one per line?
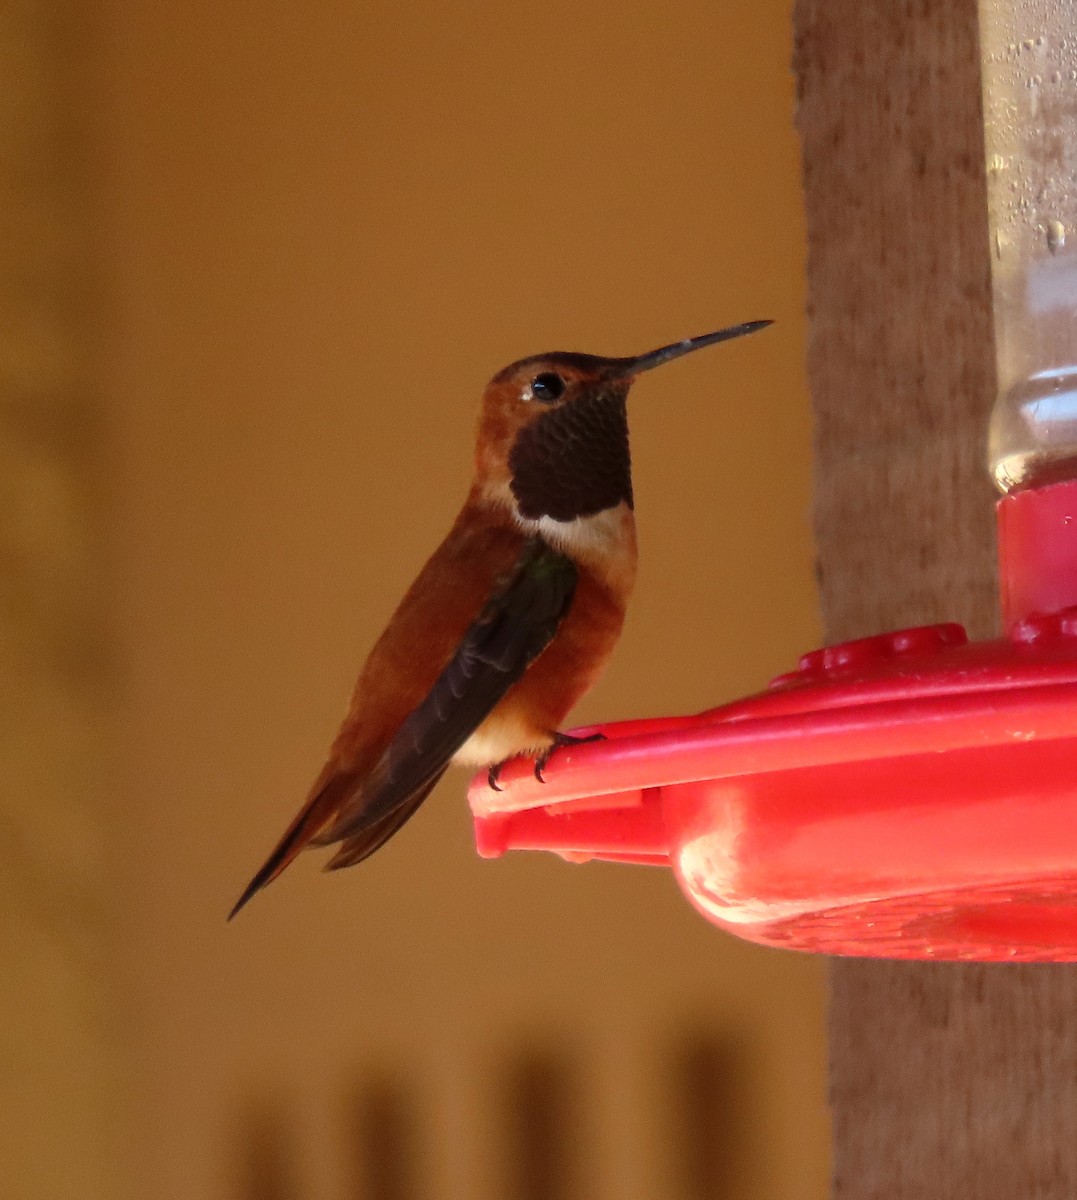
column 913, row 794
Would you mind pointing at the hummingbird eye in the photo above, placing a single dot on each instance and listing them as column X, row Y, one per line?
column 547, row 387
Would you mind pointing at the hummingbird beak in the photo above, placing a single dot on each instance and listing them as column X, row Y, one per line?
column 655, row 358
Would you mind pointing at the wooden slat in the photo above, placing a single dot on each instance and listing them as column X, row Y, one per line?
column 60, row 1062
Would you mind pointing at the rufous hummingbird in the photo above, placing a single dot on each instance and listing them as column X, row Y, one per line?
column 513, row 617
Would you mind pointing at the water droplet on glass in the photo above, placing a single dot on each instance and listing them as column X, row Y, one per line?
column 1056, row 236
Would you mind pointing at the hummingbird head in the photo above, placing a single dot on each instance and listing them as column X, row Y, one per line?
column 553, row 434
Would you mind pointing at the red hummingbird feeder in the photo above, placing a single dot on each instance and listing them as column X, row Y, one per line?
column 911, row 795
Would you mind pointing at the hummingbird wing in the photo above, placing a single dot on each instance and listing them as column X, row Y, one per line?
column 378, row 832
column 368, row 805
column 514, row 627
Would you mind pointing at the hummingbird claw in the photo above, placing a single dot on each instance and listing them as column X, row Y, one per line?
column 492, row 777
column 559, row 740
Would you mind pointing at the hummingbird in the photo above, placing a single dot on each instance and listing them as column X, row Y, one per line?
column 512, row 618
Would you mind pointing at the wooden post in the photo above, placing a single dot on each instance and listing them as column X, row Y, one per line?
column 946, row 1080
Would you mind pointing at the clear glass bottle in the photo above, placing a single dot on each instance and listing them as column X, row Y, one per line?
column 1029, row 51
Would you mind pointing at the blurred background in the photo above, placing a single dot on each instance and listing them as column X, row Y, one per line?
column 258, row 264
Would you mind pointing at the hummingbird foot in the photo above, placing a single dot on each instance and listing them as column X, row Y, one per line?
column 559, row 740
column 494, row 774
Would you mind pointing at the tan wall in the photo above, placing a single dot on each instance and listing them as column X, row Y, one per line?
column 323, row 228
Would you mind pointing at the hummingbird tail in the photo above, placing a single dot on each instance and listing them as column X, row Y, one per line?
column 326, row 796
column 363, row 844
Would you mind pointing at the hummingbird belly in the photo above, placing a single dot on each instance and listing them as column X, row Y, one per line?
column 502, row 735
